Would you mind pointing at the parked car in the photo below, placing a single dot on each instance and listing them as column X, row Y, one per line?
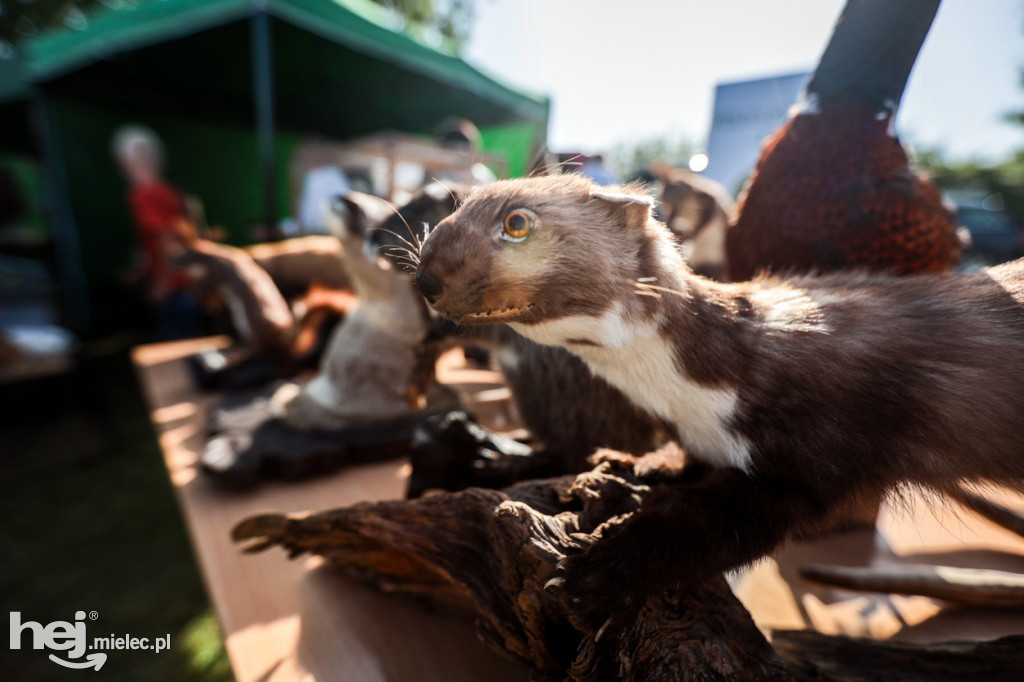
column 995, row 236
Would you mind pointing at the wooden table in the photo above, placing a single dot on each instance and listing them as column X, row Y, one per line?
column 913, row 531
column 291, row 620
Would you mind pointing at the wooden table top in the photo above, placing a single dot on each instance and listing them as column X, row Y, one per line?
column 289, row 620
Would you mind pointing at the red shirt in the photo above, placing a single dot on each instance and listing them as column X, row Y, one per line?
column 157, row 208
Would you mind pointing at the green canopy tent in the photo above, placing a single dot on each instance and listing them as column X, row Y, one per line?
column 19, row 158
column 15, row 96
column 232, row 86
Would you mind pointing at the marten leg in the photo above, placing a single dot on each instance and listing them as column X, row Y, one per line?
column 682, row 535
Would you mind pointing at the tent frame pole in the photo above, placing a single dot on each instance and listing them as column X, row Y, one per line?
column 76, row 302
column 263, row 104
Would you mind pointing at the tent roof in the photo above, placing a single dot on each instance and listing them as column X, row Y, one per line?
column 13, row 80
column 359, row 25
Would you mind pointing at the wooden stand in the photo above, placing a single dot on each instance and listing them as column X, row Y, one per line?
column 496, row 551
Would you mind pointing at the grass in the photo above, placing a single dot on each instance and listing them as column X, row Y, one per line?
column 88, row 522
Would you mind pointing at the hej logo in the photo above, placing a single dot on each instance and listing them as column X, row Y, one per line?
column 70, row 637
column 60, row 636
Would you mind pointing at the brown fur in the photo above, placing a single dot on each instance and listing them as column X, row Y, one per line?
column 296, row 264
column 845, row 386
column 261, row 315
column 321, row 310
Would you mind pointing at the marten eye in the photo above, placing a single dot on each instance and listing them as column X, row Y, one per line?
column 516, row 226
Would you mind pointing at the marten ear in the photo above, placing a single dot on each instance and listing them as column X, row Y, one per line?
column 635, row 207
column 344, row 217
column 354, row 213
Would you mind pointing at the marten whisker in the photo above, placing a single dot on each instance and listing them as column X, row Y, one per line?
column 412, row 262
column 399, row 237
column 412, row 233
column 404, row 260
column 407, row 226
column 407, row 268
column 448, row 189
column 544, row 170
column 401, row 253
column 393, row 247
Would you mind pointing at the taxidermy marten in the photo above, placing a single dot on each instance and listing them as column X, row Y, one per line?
column 374, row 366
column 570, row 412
column 697, row 210
column 260, row 314
column 797, row 396
column 266, row 325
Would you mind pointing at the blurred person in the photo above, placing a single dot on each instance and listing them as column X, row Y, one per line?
column 322, row 180
column 595, row 168
column 319, row 187
column 163, row 228
column 462, row 135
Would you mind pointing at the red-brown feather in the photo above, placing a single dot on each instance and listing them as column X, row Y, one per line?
column 834, row 190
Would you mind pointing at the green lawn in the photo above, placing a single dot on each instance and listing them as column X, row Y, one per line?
column 88, row 522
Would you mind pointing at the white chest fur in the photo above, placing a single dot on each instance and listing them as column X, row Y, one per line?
column 641, row 363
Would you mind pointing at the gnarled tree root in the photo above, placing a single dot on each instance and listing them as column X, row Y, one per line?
column 1010, row 519
column 973, row 586
column 490, row 553
column 830, row 657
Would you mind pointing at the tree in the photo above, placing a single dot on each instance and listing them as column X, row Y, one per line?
column 1005, row 178
column 449, row 20
column 630, row 157
column 23, row 19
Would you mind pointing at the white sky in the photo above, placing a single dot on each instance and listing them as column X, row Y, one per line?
column 627, row 70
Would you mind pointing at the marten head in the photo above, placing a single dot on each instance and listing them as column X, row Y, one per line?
column 530, row 250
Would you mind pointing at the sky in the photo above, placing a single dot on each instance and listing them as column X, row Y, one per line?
column 624, row 70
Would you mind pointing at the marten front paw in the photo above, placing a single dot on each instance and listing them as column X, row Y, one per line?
column 605, row 587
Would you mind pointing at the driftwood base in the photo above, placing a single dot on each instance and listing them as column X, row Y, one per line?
column 490, row 554
column 823, row 657
column 452, row 452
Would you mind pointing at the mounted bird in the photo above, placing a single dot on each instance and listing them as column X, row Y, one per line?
column 833, row 187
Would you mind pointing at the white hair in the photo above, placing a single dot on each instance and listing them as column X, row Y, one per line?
column 135, row 142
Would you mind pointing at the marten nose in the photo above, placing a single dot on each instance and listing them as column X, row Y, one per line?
column 429, row 287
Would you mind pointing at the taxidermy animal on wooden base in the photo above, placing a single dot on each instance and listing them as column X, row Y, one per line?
column 797, row 396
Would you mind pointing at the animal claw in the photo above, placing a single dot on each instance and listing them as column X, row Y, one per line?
column 553, row 583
